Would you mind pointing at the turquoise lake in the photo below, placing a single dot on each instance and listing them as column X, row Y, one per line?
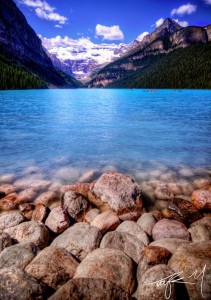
column 104, row 129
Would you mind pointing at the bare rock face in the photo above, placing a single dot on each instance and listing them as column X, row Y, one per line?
column 126, row 242
column 106, row 221
column 89, row 289
column 148, row 289
column 200, row 233
column 16, row 284
column 150, row 257
column 18, row 255
column 201, row 199
column 117, row 192
column 79, row 240
column 5, row 240
column 10, row 219
column 58, row 220
column 170, row 229
column 170, row 244
column 147, row 222
column 108, row 264
column 30, row 231
column 53, row 266
column 194, row 258
column 91, row 214
column 134, row 229
column 183, row 211
column 75, row 204
column 40, row 213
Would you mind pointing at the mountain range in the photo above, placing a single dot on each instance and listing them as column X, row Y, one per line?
column 170, row 57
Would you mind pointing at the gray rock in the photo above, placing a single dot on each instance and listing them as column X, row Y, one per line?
column 147, row 222
column 30, row 231
column 57, row 220
column 53, row 266
column 169, row 244
column 5, row 240
column 91, row 215
column 18, row 255
column 200, row 233
column 149, row 287
column 108, row 264
column 163, row 193
column 89, row 289
column 126, row 242
column 134, row 229
column 16, row 284
column 79, row 240
column 10, row 219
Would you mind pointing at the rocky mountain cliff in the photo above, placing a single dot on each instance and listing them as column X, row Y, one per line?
column 166, row 38
column 20, row 46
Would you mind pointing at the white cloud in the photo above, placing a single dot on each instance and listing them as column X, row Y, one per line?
column 182, row 23
column 141, row 36
column 109, row 33
column 58, row 26
column 208, row 1
column 184, row 9
column 44, row 11
column 159, row 22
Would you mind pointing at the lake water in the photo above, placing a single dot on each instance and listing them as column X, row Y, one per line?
column 133, row 131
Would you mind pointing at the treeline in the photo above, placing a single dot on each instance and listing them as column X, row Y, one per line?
column 183, row 68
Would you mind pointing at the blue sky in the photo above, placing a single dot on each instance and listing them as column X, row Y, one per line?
column 109, row 20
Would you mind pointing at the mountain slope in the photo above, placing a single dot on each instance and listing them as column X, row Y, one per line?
column 22, row 49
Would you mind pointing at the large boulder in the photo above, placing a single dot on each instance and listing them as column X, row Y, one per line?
column 79, row 240
column 117, row 192
column 30, row 231
column 10, row 219
column 16, row 284
column 170, row 229
column 5, row 240
column 89, row 289
column 147, row 222
column 108, row 264
column 57, row 220
column 53, row 266
column 18, row 255
column 134, row 229
column 194, row 261
column 106, row 221
column 201, row 199
column 126, row 242
column 170, row 244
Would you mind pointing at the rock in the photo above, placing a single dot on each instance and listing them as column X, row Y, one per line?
column 170, row 244
column 47, row 198
column 18, row 255
column 32, row 232
column 58, row 220
column 203, row 221
column 90, row 176
column 201, row 183
column 75, row 204
column 79, row 240
column 126, row 242
column 53, row 266
column 5, row 240
column 27, row 195
column 169, row 229
column 8, row 189
column 55, row 187
column 8, row 203
column 152, row 256
column 163, row 193
column 157, row 215
column 201, row 199
column 80, row 188
column 106, row 221
column 40, row 213
column 147, row 222
column 200, row 233
column 186, row 172
column 10, row 219
column 134, row 229
column 89, row 289
column 175, row 188
column 7, row 178
column 130, row 216
column 26, row 210
column 2, row 194
column 116, row 191
column 194, row 261
column 161, row 204
column 108, row 264
column 67, row 174
column 150, row 286
column 16, row 284
column 187, row 188
column 89, row 217
column 32, row 183
column 183, row 211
